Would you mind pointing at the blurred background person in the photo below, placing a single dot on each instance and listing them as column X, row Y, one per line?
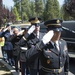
column 7, row 48
column 14, row 38
column 2, row 41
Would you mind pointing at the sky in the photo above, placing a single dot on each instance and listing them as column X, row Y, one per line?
column 61, row 2
column 10, row 3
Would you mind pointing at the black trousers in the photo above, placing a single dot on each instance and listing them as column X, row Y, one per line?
column 33, row 71
column 16, row 62
column 24, row 68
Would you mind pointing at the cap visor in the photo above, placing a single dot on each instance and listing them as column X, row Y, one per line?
column 58, row 29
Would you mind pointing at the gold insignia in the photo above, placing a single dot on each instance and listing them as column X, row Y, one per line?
column 35, row 21
column 48, row 61
column 58, row 21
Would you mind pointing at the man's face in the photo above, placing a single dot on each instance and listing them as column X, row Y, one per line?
column 37, row 28
column 56, row 36
column 15, row 31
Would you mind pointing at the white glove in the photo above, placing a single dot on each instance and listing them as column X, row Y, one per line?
column 32, row 28
column 5, row 29
column 47, row 37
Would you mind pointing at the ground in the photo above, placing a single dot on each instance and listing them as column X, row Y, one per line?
column 4, row 70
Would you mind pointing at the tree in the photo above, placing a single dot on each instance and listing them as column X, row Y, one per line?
column 52, row 10
column 25, row 7
column 17, row 4
column 48, row 12
column 16, row 14
column 32, row 8
column 65, row 15
column 39, row 8
column 69, row 7
column 56, row 9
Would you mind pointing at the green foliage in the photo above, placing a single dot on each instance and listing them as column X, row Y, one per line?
column 25, row 17
column 52, row 10
column 25, row 5
column 39, row 8
column 17, row 4
column 32, row 7
column 65, row 15
column 16, row 13
column 46, row 9
column 56, row 9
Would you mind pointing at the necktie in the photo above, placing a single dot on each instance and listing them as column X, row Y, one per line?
column 56, row 46
column 37, row 34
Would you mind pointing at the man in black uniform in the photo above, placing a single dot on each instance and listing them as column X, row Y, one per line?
column 53, row 50
column 32, row 37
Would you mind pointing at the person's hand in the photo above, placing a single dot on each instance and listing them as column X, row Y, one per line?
column 47, row 37
column 32, row 28
column 20, row 33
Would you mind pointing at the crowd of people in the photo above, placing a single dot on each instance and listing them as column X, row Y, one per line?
column 36, row 53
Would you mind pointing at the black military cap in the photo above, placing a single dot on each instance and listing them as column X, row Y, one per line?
column 54, row 24
column 35, row 20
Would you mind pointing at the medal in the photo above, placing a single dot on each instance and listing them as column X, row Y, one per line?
column 48, row 61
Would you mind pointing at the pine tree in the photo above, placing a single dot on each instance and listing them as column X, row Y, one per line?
column 25, row 7
column 48, row 12
column 69, row 7
column 39, row 8
column 17, row 4
column 56, row 9
column 16, row 14
column 51, row 10
column 32, row 8
column 65, row 15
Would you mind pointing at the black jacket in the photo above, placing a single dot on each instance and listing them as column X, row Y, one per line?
column 14, row 39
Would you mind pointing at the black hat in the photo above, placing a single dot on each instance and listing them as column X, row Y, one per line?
column 54, row 24
column 35, row 20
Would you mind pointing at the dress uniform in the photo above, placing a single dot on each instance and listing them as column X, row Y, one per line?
column 52, row 50
column 32, row 37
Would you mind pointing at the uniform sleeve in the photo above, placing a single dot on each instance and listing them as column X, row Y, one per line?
column 34, row 50
column 2, row 34
column 12, row 38
column 23, row 39
column 66, row 66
